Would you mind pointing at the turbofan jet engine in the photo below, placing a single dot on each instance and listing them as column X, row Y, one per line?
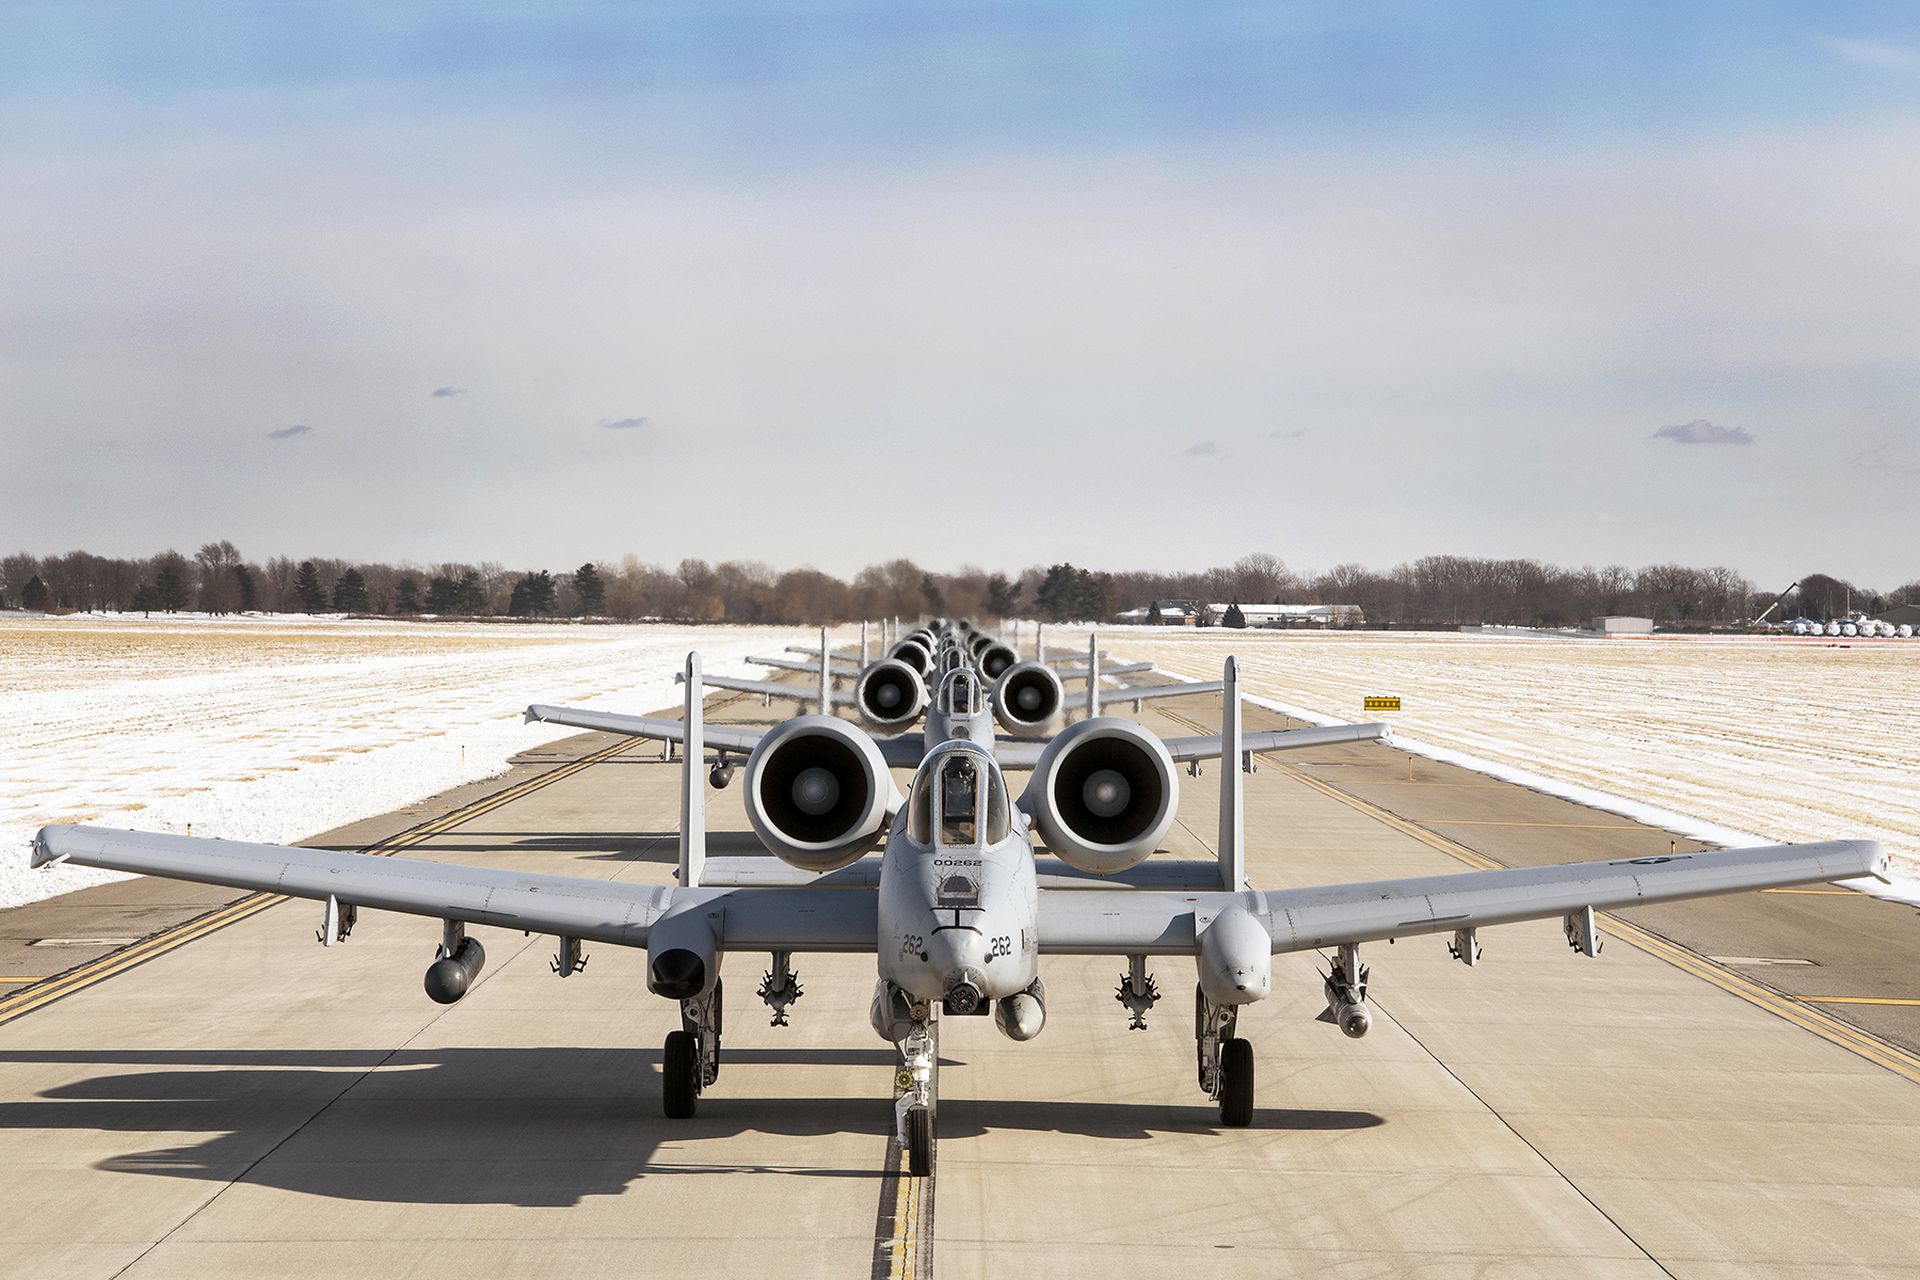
column 915, row 653
column 890, row 695
column 994, row 658
column 1103, row 795
column 1027, row 700
column 818, row 792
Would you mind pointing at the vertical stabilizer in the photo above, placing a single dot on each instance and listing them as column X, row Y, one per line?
column 693, row 798
column 1040, row 642
column 826, row 675
column 863, row 644
column 1093, row 674
column 1233, row 839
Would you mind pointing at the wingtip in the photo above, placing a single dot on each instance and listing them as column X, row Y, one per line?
column 1877, row 861
column 43, row 852
column 532, row 714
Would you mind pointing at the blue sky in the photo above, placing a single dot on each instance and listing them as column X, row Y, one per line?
column 1340, row 282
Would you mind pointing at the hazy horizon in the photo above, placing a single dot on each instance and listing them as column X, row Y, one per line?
column 1146, row 288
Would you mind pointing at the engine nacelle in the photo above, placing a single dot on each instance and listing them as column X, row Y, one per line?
column 915, row 654
column 890, row 694
column 1103, row 795
column 818, row 792
column 994, row 658
column 1028, row 700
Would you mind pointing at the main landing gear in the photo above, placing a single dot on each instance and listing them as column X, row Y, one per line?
column 1226, row 1061
column 692, row 1058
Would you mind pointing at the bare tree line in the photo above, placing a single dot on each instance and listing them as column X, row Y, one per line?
column 1433, row 590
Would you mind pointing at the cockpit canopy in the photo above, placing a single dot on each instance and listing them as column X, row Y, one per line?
column 958, row 800
column 959, row 695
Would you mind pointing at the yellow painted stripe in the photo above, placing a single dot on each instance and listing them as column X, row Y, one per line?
column 1479, row 822
column 1827, row 1027
column 46, row 991
column 1855, row 1000
column 39, row 979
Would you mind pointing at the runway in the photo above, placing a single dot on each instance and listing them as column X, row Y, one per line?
column 226, row 1097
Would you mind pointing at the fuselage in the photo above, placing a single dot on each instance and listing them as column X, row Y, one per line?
column 958, row 895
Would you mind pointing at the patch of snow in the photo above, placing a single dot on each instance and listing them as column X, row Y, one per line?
column 276, row 730
column 1730, row 740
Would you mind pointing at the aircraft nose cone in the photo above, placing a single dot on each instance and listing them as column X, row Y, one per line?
column 1107, row 793
column 815, row 791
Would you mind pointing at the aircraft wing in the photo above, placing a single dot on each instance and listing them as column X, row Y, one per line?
column 1303, row 919
column 718, row 737
column 797, row 919
column 1207, row 746
column 1106, row 669
column 1141, row 693
column 765, row 688
column 840, row 667
column 1132, row 921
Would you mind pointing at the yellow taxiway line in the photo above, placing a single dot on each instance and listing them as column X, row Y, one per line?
column 42, row 992
column 1800, row 1013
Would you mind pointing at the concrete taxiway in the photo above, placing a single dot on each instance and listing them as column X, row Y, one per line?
column 226, row 1097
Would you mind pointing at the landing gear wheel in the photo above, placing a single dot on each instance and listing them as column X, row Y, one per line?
column 920, row 1142
column 680, row 1076
column 1236, row 1083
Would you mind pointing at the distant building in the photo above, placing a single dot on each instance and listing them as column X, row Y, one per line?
column 1292, row 615
column 1173, row 613
column 1901, row 615
column 1620, row 625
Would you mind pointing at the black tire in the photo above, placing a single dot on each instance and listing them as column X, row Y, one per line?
column 920, row 1142
column 1236, row 1083
column 680, row 1076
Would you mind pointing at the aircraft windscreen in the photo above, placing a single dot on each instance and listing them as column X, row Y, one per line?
column 959, row 801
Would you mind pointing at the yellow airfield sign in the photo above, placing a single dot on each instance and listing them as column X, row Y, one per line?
column 1381, row 703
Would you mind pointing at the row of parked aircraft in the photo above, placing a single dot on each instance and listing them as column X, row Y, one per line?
column 975, row 882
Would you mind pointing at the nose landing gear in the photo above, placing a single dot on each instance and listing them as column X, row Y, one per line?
column 917, row 1089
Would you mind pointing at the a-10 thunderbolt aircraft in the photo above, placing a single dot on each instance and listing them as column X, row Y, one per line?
column 958, row 911
column 1028, row 698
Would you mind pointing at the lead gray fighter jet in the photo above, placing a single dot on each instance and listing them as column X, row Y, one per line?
column 958, row 911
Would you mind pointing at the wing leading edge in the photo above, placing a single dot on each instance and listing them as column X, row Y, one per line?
column 800, row 919
column 1123, row 921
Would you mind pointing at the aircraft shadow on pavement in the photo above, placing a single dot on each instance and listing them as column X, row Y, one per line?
column 535, row 1127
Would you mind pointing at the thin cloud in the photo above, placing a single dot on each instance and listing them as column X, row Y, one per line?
column 288, row 433
column 1294, row 434
column 1880, row 54
column 442, row 392
column 1200, row 449
column 1700, row 431
column 623, row 424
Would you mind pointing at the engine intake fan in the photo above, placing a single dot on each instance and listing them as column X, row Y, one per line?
column 994, row 658
column 1103, row 795
column 1028, row 700
column 818, row 792
column 890, row 695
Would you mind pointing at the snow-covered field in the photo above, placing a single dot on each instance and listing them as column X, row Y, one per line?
column 1750, row 738
column 279, row 728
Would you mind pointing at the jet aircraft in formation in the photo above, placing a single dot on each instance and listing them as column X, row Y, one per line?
column 959, row 909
